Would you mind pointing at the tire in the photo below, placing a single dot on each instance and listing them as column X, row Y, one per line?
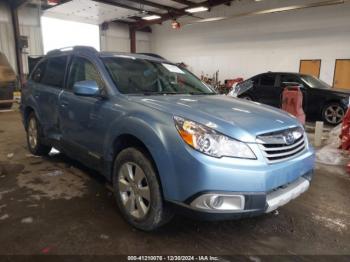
column 34, row 137
column 137, row 190
column 333, row 113
column 6, row 93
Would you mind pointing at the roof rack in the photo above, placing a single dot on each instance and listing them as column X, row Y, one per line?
column 72, row 48
column 152, row 54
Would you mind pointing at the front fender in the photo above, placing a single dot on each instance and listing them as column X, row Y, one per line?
column 155, row 132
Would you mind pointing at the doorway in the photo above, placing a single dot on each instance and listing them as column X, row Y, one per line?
column 310, row 67
column 59, row 33
column 342, row 74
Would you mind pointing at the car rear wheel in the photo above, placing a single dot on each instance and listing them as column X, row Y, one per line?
column 137, row 190
column 333, row 113
column 34, row 137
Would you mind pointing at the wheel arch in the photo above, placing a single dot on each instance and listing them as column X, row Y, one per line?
column 134, row 132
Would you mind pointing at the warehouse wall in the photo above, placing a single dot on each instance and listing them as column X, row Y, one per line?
column 249, row 45
column 29, row 21
column 29, row 25
column 7, row 42
column 116, row 38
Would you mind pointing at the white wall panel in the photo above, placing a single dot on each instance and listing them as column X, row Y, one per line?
column 116, row 39
column 250, row 45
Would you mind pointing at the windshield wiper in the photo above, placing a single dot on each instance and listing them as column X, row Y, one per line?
column 201, row 94
column 162, row 93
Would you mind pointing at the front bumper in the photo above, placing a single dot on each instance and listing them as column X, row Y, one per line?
column 252, row 203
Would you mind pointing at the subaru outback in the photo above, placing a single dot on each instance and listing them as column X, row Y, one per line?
column 162, row 138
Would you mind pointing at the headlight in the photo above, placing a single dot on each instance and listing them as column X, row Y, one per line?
column 210, row 142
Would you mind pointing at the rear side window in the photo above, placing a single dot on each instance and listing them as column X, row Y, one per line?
column 55, row 71
column 290, row 78
column 38, row 73
column 267, row 80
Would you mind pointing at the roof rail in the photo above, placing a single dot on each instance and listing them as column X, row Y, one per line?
column 152, row 54
column 72, row 48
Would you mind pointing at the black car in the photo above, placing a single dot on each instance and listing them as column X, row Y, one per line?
column 320, row 101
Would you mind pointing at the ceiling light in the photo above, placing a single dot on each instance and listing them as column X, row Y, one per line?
column 197, row 9
column 52, row 2
column 151, row 17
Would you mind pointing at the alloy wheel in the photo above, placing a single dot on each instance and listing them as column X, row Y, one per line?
column 32, row 133
column 334, row 114
column 134, row 190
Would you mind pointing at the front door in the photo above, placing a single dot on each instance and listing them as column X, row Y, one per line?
column 82, row 121
column 290, row 78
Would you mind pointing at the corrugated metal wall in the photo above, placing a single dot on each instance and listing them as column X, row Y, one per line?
column 29, row 21
column 7, row 41
column 30, row 26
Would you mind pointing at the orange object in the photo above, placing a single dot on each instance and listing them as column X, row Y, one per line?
column 345, row 132
column 292, row 102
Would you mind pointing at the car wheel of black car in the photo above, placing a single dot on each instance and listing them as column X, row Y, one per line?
column 137, row 190
column 34, row 137
column 333, row 113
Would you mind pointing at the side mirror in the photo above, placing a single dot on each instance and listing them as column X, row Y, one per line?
column 86, row 88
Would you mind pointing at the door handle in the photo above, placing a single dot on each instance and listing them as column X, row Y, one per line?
column 64, row 104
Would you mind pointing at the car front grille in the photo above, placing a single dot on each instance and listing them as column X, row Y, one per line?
column 282, row 145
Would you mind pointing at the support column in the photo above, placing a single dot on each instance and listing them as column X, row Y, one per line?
column 15, row 23
column 132, row 33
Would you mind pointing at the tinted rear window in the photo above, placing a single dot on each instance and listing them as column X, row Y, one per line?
column 55, row 71
column 267, row 80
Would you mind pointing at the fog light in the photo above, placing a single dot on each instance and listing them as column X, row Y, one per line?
column 215, row 202
column 219, row 202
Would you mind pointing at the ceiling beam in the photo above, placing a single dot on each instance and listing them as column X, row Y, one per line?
column 181, row 12
column 155, row 5
column 18, row 3
column 111, row 2
column 183, row 2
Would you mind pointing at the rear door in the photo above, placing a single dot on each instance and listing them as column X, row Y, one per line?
column 267, row 91
column 49, row 77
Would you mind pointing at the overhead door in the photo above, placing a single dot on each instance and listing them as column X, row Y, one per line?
column 310, row 67
column 342, row 74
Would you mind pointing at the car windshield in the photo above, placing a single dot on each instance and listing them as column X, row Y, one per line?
column 314, row 82
column 140, row 76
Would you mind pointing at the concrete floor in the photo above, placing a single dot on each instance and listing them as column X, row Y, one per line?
column 57, row 206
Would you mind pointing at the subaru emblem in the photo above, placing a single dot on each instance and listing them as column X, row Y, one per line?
column 289, row 138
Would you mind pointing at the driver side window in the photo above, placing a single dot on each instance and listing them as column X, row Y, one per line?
column 82, row 69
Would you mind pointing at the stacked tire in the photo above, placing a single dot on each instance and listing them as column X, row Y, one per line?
column 7, row 82
column 6, row 93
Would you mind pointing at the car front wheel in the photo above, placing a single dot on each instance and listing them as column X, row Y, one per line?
column 137, row 190
column 333, row 113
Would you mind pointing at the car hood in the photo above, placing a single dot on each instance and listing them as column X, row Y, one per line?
column 237, row 118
